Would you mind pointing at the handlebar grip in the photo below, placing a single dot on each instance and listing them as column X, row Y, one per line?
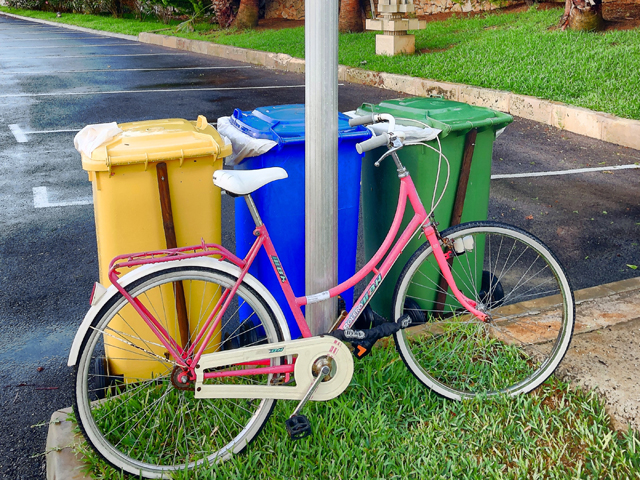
column 361, row 120
column 375, row 142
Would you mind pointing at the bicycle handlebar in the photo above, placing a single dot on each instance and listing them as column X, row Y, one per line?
column 375, row 142
column 365, row 119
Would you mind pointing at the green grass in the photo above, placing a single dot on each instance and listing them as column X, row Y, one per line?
column 517, row 52
column 387, row 425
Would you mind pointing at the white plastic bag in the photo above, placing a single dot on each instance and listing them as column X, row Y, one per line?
column 92, row 136
column 243, row 145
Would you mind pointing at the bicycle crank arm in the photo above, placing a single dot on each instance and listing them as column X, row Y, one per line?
column 308, row 351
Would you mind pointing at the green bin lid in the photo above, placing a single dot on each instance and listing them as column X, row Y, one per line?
column 446, row 115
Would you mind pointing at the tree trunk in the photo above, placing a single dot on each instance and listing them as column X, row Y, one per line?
column 350, row 18
column 222, row 12
column 248, row 12
column 582, row 15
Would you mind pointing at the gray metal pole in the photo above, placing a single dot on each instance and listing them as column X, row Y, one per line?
column 321, row 158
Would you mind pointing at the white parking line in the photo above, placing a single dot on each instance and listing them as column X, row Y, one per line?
column 21, row 135
column 76, row 46
column 18, row 133
column 168, row 69
column 31, row 39
column 56, row 57
column 565, row 172
column 41, row 199
column 167, row 90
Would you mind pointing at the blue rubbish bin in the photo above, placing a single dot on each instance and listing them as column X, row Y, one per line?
column 281, row 203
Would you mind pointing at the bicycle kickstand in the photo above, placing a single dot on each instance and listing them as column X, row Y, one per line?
column 298, row 426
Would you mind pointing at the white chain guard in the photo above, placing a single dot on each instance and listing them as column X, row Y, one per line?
column 308, row 351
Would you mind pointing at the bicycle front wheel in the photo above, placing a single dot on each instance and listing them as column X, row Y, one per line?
column 129, row 401
column 514, row 278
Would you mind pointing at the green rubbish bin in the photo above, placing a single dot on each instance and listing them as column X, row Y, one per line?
column 380, row 185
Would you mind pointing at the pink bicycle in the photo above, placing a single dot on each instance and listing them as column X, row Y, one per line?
column 180, row 362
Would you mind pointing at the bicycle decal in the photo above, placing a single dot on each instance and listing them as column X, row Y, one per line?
column 276, row 263
column 355, row 312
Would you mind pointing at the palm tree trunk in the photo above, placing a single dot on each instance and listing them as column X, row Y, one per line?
column 350, row 18
column 582, row 15
column 247, row 16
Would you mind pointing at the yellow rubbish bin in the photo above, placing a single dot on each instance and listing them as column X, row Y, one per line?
column 128, row 213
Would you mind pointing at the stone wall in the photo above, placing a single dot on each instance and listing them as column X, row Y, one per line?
column 294, row 9
column 429, row 7
column 289, row 9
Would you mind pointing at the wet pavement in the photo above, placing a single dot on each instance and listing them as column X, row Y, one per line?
column 54, row 81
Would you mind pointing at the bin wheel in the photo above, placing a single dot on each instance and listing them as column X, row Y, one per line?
column 230, row 343
column 415, row 311
column 491, row 292
column 248, row 334
column 103, row 381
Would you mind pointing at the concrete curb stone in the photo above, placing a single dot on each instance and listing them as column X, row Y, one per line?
column 62, row 461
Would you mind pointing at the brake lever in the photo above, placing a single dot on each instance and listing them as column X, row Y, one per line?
column 396, row 143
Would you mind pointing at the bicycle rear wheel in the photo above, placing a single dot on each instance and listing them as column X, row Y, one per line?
column 128, row 401
column 513, row 277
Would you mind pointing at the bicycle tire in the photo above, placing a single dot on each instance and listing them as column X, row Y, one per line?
column 517, row 280
column 144, row 424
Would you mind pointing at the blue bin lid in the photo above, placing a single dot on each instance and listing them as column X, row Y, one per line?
column 285, row 124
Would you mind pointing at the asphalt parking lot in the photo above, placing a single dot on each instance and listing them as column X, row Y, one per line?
column 577, row 194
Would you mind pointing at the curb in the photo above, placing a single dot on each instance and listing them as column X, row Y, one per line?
column 598, row 125
column 63, row 464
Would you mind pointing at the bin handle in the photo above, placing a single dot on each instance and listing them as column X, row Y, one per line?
column 182, row 155
column 146, row 161
column 108, row 157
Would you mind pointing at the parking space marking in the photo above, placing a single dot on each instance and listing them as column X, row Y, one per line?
column 77, row 46
column 168, row 69
column 31, row 39
column 41, row 200
column 18, row 133
column 164, row 90
column 565, row 172
column 21, row 135
column 56, row 57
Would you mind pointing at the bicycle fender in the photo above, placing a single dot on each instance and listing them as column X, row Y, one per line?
column 145, row 270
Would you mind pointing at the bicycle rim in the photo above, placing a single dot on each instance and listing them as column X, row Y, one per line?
column 514, row 278
column 127, row 405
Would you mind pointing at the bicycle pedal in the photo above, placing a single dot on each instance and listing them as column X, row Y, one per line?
column 298, row 427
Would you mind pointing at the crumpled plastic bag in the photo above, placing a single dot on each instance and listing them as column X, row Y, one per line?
column 92, row 136
column 243, row 145
column 412, row 133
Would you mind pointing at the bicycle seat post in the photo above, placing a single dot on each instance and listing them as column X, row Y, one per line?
column 254, row 211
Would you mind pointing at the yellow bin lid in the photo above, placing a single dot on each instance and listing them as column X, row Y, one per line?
column 156, row 141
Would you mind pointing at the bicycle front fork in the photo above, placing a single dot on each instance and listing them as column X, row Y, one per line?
column 434, row 240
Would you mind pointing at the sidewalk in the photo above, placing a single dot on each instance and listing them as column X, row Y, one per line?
column 604, row 355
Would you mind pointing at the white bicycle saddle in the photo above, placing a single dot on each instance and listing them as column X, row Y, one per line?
column 242, row 182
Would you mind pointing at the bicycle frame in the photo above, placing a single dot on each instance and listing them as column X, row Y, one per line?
column 189, row 358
